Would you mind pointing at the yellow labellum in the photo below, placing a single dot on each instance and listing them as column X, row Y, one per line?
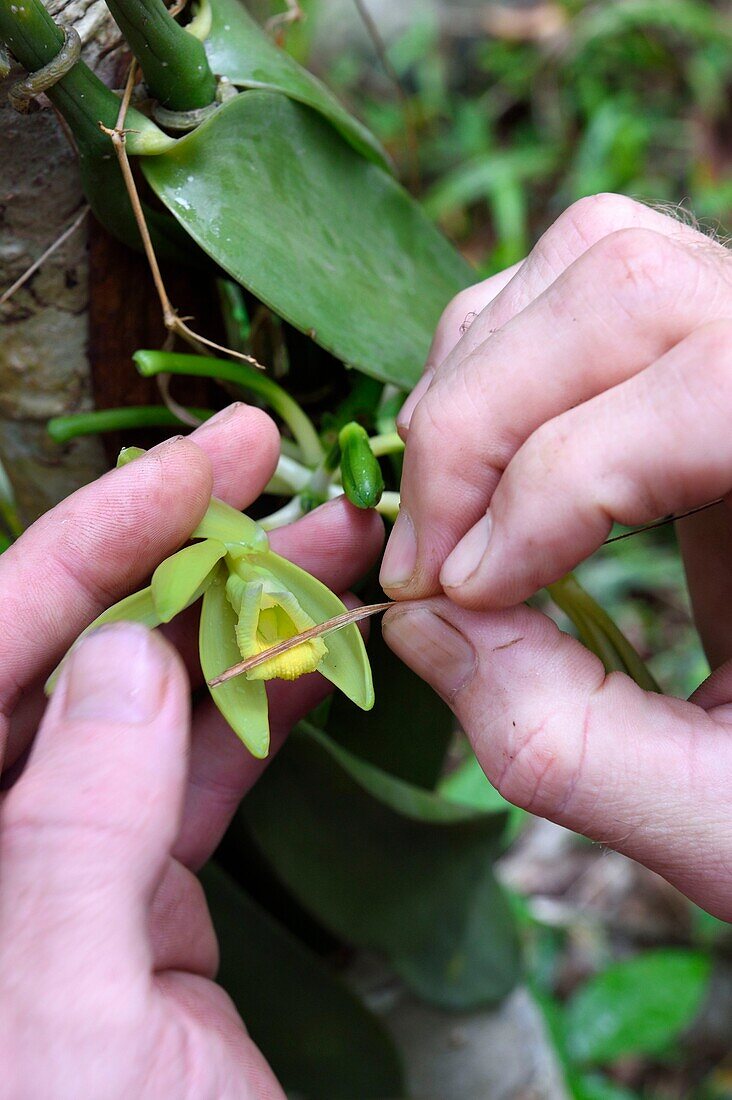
column 268, row 615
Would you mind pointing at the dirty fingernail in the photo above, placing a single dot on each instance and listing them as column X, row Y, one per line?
column 432, row 647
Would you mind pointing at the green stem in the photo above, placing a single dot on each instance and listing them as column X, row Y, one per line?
column 63, row 428
column 34, row 39
column 150, row 363
column 389, row 505
column 389, row 443
column 173, row 62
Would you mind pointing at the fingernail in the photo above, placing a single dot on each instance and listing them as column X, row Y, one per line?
column 432, row 647
column 400, row 556
column 219, row 417
column 115, row 674
column 407, row 410
column 467, row 555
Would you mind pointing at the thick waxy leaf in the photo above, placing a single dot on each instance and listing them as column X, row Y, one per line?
column 239, row 49
column 224, row 523
column 242, row 703
column 328, row 240
column 346, row 664
column 636, row 1007
column 389, row 866
column 183, row 577
column 137, row 608
column 318, row 1038
column 469, row 785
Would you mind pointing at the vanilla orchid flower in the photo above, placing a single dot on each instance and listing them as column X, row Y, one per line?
column 252, row 600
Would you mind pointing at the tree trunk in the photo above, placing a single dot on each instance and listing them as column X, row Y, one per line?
column 44, row 367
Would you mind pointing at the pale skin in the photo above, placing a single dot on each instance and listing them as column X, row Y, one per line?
column 107, row 953
column 593, row 384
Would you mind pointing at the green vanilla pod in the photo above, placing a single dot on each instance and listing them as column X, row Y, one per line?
column 363, row 482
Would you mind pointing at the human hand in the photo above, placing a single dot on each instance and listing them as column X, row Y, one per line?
column 107, row 952
column 594, row 385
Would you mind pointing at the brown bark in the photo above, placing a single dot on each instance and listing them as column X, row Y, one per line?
column 44, row 369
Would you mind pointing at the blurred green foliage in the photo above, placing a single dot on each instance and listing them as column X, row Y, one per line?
column 498, row 133
column 627, row 96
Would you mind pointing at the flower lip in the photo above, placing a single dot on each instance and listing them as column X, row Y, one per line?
column 267, row 614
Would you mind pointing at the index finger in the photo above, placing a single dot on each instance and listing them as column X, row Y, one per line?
column 105, row 539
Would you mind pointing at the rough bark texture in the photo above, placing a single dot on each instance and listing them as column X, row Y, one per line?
column 44, row 369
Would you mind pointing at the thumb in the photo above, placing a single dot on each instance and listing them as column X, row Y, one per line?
column 86, row 830
column 642, row 773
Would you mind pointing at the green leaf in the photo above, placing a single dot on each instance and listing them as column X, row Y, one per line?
column 469, row 785
column 328, row 240
column 240, row 50
column 594, row 1087
column 636, row 1007
column 318, row 1038
column 227, row 525
column 346, row 664
column 389, row 866
column 183, row 577
column 379, row 737
column 242, row 703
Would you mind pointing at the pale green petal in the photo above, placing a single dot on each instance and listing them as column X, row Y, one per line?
column 242, row 703
column 226, row 524
column 137, row 608
column 183, row 577
column 346, row 663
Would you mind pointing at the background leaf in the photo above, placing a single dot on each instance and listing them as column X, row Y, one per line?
column 386, row 865
column 638, row 1006
column 318, row 1038
column 469, row 785
column 412, row 751
column 325, row 238
column 239, row 49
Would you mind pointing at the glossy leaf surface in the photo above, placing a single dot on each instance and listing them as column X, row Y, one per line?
column 238, row 48
column 328, row 240
column 636, row 1007
column 318, row 1038
column 389, row 866
column 243, row 704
